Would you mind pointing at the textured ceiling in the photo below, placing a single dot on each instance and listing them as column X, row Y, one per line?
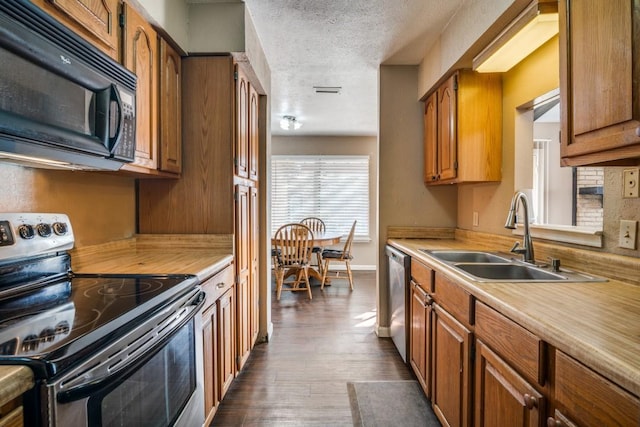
column 340, row 43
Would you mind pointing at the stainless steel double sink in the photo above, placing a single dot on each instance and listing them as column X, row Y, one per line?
column 484, row 266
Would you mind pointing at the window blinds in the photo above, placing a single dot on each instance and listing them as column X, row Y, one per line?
column 332, row 188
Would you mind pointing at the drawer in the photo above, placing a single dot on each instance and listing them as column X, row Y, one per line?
column 589, row 399
column 454, row 299
column 520, row 348
column 422, row 274
column 217, row 284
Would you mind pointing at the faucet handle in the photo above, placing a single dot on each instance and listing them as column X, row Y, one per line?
column 516, row 249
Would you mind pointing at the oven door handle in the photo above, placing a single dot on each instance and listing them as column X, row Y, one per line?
column 85, row 390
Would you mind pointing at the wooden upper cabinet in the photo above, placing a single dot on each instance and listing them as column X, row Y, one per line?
column 463, row 129
column 94, row 20
column 599, row 63
column 447, row 123
column 140, row 55
column 431, row 138
column 241, row 154
column 253, row 133
column 170, row 109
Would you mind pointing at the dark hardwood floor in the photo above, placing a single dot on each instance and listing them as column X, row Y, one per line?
column 299, row 378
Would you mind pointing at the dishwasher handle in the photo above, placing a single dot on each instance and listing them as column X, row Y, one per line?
column 396, row 255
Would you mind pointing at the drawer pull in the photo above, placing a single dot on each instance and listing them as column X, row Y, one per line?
column 552, row 422
column 220, row 285
column 529, row 401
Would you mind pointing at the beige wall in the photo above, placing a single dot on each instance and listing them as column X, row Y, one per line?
column 404, row 199
column 364, row 253
column 100, row 206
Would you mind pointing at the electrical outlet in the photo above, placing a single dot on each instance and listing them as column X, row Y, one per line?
column 628, row 231
column 630, row 183
column 475, row 219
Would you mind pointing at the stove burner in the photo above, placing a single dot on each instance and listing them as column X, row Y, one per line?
column 122, row 288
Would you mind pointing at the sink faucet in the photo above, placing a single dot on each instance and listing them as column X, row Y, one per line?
column 527, row 244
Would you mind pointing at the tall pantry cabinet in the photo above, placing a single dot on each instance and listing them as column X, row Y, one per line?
column 217, row 193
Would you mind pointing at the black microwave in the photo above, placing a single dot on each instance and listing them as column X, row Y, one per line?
column 63, row 103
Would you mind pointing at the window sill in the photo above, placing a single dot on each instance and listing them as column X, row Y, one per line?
column 583, row 236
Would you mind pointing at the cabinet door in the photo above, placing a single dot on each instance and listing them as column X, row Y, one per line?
column 451, row 369
column 599, row 63
column 447, row 131
column 170, row 107
column 254, row 134
column 591, row 400
column 243, row 269
column 419, row 343
column 226, row 341
column 502, row 397
column 241, row 155
column 210, row 359
column 431, row 138
column 140, row 50
column 254, row 282
column 94, row 20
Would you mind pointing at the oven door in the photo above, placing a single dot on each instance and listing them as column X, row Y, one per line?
column 162, row 386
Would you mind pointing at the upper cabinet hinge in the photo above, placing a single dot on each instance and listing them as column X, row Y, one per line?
column 121, row 20
column 472, row 353
column 455, row 165
column 455, row 83
column 235, row 75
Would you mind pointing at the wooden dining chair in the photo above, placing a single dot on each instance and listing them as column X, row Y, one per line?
column 292, row 244
column 344, row 255
column 317, row 226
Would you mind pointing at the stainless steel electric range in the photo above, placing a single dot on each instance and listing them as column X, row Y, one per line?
column 105, row 349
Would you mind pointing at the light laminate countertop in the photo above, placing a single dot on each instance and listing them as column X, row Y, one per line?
column 14, row 380
column 597, row 323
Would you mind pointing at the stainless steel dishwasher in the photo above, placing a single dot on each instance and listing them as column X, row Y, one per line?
column 399, row 276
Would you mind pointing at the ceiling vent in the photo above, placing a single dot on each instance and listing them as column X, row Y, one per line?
column 327, row 89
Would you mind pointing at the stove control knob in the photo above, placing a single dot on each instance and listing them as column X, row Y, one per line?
column 44, row 230
column 30, row 343
column 60, row 228
column 47, row 335
column 26, row 231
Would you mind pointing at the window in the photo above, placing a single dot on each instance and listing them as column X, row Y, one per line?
column 332, row 188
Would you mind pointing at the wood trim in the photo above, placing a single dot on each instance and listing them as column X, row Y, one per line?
column 400, row 232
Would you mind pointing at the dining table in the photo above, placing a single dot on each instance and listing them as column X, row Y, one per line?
column 327, row 238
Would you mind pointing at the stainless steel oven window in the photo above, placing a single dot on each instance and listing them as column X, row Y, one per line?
column 156, row 393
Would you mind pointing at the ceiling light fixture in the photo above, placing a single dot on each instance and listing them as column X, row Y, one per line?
column 531, row 29
column 290, row 122
column 327, row 89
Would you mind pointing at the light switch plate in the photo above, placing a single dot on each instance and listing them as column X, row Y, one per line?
column 630, row 183
column 628, row 232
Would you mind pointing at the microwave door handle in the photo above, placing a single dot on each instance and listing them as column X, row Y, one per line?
column 115, row 97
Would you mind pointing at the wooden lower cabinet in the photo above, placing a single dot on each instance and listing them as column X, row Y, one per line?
column 420, row 336
column 218, row 339
column 451, row 387
column 585, row 398
column 210, row 351
column 502, row 396
column 226, row 335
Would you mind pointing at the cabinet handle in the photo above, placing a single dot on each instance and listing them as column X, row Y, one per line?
column 220, row 285
column 529, row 401
column 552, row 422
